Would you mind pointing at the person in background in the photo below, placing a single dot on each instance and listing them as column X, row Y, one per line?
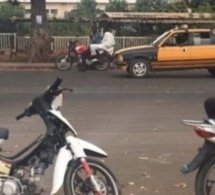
column 96, row 36
column 107, row 43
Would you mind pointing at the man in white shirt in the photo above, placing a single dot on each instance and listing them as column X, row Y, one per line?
column 107, row 44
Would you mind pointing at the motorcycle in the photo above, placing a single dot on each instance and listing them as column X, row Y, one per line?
column 204, row 161
column 21, row 174
column 81, row 54
column 65, row 60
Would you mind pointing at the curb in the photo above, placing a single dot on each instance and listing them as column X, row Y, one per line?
column 27, row 66
column 34, row 66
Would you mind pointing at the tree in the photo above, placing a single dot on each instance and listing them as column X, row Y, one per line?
column 117, row 6
column 151, row 6
column 40, row 38
column 179, row 6
column 14, row 2
column 200, row 5
column 85, row 12
column 8, row 12
column 87, row 9
column 205, row 8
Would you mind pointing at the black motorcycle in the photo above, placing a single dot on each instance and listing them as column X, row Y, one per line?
column 204, row 161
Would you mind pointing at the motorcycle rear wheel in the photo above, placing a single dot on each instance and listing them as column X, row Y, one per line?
column 204, row 184
column 103, row 63
column 76, row 182
column 63, row 63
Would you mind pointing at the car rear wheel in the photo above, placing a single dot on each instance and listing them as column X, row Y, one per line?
column 139, row 68
column 211, row 71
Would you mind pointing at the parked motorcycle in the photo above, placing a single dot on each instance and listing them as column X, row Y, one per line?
column 81, row 54
column 204, row 161
column 21, row 174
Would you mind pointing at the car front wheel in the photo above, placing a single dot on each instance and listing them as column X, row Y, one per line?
column 139, row 68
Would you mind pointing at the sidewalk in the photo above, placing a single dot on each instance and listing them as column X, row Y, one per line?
column 26, row 66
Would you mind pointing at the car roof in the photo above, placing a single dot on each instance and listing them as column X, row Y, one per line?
column 191, row 30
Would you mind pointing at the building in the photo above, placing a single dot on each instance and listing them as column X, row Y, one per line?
column 57, row 8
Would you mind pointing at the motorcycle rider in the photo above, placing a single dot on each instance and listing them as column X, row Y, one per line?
column 96, row 36
column 107, row 44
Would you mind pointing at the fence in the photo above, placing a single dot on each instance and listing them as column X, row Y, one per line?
column 12, row 41
column 7, row 40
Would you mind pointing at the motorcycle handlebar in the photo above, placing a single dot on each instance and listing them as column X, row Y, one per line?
column 47, row 96
column 56, row 84
column 21, row 116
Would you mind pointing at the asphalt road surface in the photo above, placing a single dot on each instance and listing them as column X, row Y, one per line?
column 137, row 121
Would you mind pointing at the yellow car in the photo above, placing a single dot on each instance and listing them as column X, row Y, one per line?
column 174, row 49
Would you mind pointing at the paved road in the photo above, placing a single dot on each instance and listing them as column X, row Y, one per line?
column 137, row 121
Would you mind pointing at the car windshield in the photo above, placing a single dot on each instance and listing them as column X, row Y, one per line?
column 160, row 38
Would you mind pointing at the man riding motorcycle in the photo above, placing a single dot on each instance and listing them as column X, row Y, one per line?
column 107, row 44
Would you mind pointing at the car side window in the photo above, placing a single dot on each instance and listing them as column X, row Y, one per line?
column 171, row 41
column 179, row 39
column 202, row 38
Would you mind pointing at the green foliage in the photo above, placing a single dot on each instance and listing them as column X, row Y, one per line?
column 151, row 6
column 86, row 10
column 117, row 6
column 8, row 11
column 69, row 29
column 200, row 5
column 205, row 8
column 14, row 2
column 180, row 6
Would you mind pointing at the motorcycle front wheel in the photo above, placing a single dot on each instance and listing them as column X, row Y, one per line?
column 205, row 179
column 77, row 183
column 63, row 62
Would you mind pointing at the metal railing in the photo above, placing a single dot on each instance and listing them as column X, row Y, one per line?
column 123, row 42
column 7, row 41
column 22, row 43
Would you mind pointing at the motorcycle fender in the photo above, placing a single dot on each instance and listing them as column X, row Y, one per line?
column 81, row 149
column 204, row 153
column 63, row 158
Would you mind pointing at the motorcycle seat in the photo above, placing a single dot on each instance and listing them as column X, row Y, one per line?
column 4, row 133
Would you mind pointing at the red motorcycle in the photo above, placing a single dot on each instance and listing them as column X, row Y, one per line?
column 81, row 55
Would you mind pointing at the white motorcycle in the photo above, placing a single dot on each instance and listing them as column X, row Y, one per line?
column 204, row 161
column 21, row 174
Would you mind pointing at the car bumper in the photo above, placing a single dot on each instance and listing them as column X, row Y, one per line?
column 121, row 65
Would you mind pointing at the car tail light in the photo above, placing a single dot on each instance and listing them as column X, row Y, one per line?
column 204, row 132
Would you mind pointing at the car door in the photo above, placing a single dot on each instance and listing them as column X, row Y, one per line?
column 174, row 51
column 202, row 51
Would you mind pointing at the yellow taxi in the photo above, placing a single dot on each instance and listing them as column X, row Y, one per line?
column 175, row 49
